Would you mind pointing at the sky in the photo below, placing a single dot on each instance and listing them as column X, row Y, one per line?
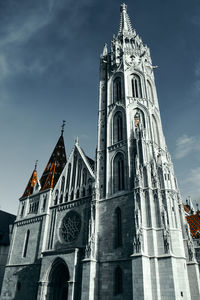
column 49, row 72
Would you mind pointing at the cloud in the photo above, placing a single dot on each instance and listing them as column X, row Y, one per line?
column 186, row 145
column 190, row 185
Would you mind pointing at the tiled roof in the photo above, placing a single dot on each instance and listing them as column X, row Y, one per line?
column 32, row 182
column 54, row 166
column 194, row 223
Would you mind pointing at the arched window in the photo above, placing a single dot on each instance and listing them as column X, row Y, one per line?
column 90, row 190
column 83, row 192
column 84, row 176
column 148, row 209
column 145, row 177
column 150, row 91
column 117, row 90
column 26, row 243
column 74, row 171
column 62, row 184
column 79, row 173
column 157, row 210
column 118, row 172
column 68, row 176
column 155, row 131
column 136, row 86
column 118, row 127
column 77, row 194
column 66, row 197
column 118, row 228
column 22, row 210
column 61, row 198
column 118, row 282
column 56, row 198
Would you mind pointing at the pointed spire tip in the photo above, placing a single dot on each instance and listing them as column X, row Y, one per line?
column 123, row 6
column 36, row 163
column 62, row 127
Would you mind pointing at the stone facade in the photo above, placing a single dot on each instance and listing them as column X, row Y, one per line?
column 114, row 229
column 6, row 225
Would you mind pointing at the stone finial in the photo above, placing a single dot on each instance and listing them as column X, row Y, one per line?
column 62, row 127
column 36, row 163
column 123, row 7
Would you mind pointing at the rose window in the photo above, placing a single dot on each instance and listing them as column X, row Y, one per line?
column 71, row 226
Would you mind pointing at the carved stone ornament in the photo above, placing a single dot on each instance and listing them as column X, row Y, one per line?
column 166, row 240
column 89, row 249
column 191, row 251
column 71, row 226
column 138, row 241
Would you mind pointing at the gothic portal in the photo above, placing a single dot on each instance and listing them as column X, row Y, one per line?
column 113, row 228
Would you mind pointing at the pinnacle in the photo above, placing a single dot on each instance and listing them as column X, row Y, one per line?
column 125, row 23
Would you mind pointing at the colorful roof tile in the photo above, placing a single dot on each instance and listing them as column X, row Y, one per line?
column 54, row 166
column 194, row 223
column 32, row 182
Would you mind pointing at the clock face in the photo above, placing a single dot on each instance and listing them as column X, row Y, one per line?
column 71, row 226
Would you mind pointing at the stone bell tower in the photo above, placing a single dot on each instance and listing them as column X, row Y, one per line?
column 143, row 246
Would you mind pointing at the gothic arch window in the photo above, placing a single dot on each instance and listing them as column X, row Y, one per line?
column 56, row 198
column 136, row 86
column 74, row 171
column 118, row 127
column 62, row 184
column 118, row 281
column 26, row 243
column 156, row 138
column 118, row 227
column 139, row 118
column 79, row 173
column 145, row 177
column 84, row 176
column 117, row 90
column 90, row 190
column 148, row 209
column 77, row 194
column 150, row 91
column 68, row 176
column 61, row 198
column 118, row 173
column 22, row 210
column 83, row 192
column 157, row 210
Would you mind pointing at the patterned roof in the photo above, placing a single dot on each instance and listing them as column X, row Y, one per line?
column 194, row 223
column 54, row 166
column 32, row 182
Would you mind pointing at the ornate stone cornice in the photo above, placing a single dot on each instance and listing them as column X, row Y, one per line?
column 30, row 221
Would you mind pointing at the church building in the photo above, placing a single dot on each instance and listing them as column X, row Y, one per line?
column 113, row 227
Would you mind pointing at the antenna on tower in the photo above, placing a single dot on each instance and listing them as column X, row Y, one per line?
column 62, row 127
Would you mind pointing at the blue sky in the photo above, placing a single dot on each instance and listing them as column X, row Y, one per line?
column 49, row 71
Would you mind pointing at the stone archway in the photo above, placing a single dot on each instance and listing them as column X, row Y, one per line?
column 58, row 281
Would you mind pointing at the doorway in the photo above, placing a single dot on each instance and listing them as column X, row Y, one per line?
column 58, row 281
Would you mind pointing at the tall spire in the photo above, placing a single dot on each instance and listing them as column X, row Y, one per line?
column 125, row 23
column 32, row 182
column 55, row 165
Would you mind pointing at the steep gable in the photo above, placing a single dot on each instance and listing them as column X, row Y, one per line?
column 76, row 179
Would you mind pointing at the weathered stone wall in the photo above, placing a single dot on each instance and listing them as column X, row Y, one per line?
column 3, row 260
column 21, row 282
column 110, row 257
